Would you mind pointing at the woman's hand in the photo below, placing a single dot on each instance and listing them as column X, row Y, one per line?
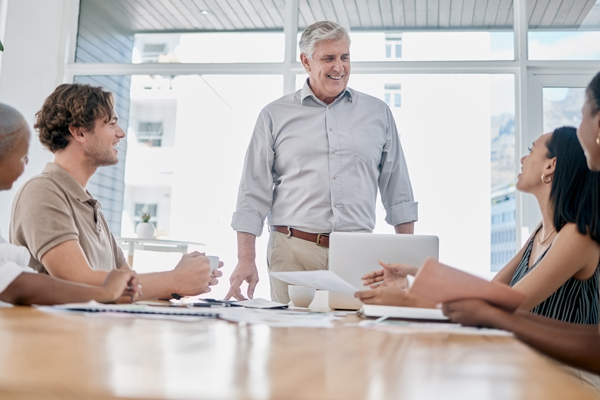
column 388, row 295
column 120, row 284
column 390, row 275
column 471, row 312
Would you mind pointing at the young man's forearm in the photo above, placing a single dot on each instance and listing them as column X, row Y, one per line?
column 158, row 285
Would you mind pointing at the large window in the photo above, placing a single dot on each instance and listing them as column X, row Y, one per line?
column 191, row 81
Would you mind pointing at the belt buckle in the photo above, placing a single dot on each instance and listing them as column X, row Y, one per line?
column 319, row 236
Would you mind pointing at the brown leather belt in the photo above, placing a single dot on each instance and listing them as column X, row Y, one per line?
column 321, row 239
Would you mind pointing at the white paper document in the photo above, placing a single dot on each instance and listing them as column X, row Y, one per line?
column 278, row 318
column 259, row 303
column 409, row 327
column 323, row 279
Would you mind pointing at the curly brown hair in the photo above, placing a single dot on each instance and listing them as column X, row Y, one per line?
column 72, row 104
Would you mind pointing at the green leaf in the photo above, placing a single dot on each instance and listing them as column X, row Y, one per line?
column 1, row 47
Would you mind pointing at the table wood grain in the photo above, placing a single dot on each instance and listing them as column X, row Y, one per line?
column 48, row 356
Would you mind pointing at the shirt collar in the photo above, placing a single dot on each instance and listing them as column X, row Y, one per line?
column 69, row 183
column 307, row 92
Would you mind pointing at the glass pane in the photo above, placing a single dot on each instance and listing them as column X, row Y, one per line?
column 142, row 32
column 420, row 31
column 562, row 106
column 567, row 30
column 431, row 46
column 222, row 32
column 457, row 133
column 208, row 47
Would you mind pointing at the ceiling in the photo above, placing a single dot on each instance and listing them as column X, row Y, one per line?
column 269, row 15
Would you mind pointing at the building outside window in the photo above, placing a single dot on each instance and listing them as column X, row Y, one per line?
column 150, row 133
column 393, row 46
column 503, row 230
column 393, row 95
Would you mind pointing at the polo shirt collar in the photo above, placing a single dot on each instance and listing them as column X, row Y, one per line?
column 68, row 183
column 306, row 92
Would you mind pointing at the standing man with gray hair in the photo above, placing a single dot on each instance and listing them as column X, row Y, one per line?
column 313, row 166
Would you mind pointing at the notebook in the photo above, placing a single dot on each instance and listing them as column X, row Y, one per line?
column 428, row 314
column 93, row 306
column 352, row 255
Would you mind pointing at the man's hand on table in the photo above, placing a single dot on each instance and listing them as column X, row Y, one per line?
column 244, row 271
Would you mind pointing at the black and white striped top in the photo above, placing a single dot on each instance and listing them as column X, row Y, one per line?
column 575, row 301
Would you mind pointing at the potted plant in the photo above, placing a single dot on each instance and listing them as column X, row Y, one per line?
column 144, row 229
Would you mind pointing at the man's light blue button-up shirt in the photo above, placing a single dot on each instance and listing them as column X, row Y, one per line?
column 317, row 167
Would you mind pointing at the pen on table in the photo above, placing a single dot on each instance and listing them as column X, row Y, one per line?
column 190, row 305
column 198, row 305
column 201, row 302
column 223, row 303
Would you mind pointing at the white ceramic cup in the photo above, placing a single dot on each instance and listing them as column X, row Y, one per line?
column 214, row 262
column 301, row 296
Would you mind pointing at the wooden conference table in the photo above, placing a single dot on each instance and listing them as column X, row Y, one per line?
column 47, row 356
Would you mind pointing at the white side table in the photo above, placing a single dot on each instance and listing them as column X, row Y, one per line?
column 160, row 245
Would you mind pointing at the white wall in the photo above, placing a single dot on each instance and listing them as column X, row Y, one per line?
column 36, row 40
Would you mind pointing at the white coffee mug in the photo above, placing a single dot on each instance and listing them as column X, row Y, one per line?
column 301, row 296
column 214, row 262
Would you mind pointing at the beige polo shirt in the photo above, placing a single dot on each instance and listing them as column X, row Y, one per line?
column 52, row 208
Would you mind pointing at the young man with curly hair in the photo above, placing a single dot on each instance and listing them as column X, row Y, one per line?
column 19, row 284
column 59, row 221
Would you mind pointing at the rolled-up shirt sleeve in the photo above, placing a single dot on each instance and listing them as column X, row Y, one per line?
column 394, row 180
column 255, row 194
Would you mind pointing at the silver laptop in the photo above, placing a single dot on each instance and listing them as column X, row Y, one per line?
column 352, row 255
